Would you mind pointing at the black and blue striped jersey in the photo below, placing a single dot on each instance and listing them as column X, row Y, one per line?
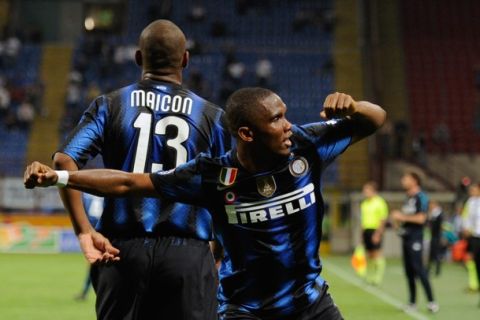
column 93, row 206
column 269, row 223
column 146, row 127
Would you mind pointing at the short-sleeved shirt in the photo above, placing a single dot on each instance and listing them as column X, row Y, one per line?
column 146, row 127
column 436, row 222
column 269, row 223
column 471, row 216
column 415, row 204
column 373, row 211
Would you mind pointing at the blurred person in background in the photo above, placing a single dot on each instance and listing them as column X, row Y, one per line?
column 4, row 99
column 150, row 256
column 93, row 208
column 471, row 231
column 263, row 72
column 25, row 115
column 411, row 220
column 435, row 220
column 374, row 213
column 12, row 47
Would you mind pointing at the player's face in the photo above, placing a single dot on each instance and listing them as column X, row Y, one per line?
column 368, row 191
column 272, row 130
column 407, row 181
column 474, row 191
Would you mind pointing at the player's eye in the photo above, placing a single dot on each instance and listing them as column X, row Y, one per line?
column 277, row 118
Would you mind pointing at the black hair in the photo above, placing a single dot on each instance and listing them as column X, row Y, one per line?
column 241, row 107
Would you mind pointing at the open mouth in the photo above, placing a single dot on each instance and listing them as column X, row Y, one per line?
column 287, row 141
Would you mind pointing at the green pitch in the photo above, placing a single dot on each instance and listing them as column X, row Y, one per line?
column 359, row 301
column 41, row 287
column 37, row 287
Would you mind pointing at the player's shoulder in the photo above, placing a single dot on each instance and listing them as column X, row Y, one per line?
column 422, row 195
column 208, row 105
column 315, row 129
column 117, row 94
column 206, row 160
column 306, row 135
column 122, row 90
column 202, row 107
column 380, row 199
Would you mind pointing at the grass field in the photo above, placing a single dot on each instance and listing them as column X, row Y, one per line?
column 37, row 287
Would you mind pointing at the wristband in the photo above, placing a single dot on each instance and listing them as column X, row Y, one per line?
column 62, row 180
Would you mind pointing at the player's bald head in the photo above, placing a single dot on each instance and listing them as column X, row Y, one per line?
column 162, row 45
column 243, row 106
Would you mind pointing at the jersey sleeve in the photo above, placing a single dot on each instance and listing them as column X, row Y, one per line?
column 422, row 204
column 182, row 184
column 467, row 217
column 331, row 138
column 86, row 140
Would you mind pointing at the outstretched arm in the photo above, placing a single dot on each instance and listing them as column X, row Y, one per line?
column 368, row 116
column 101, row 182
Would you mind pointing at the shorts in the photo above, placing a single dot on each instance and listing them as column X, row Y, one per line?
column 157, row 278
column 367, row 240
column 321, row 309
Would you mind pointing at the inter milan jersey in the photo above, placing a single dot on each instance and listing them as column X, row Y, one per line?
column 269, row 224
column 146, row 127
column 415, row 204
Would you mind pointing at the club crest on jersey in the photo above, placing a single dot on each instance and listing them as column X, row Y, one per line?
column 227, row 176
column 298, row 166
column 266, row 186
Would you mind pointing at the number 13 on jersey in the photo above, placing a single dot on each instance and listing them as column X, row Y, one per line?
column 144, row 123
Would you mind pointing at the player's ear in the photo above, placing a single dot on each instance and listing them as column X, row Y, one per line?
column 245, row 134
column 138, row 58
column 185, row 59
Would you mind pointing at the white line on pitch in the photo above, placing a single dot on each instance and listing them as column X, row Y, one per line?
column 372, row 290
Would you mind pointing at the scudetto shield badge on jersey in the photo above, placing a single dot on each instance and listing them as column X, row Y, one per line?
column 298, row 166
column 227, row 176
column 266, row 186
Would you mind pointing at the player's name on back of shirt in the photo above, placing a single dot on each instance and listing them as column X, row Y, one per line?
column 161, row 102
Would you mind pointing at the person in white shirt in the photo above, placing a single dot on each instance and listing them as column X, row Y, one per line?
column 471, row 225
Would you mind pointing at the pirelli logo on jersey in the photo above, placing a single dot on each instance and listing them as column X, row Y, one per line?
column 274, row 208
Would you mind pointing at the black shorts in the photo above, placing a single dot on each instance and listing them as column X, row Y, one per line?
column 157, row 278
column 322, row 309
column 469, row 247
column 367, row 240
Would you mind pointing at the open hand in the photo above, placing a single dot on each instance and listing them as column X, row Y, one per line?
column 97, row 248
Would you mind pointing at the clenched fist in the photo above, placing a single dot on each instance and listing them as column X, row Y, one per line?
column 39, row 175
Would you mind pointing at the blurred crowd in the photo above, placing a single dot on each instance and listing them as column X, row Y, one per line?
column 20, row 100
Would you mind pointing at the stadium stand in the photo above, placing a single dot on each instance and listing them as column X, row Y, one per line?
column 300, row 56
column 441, row 63
column 20, row 76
